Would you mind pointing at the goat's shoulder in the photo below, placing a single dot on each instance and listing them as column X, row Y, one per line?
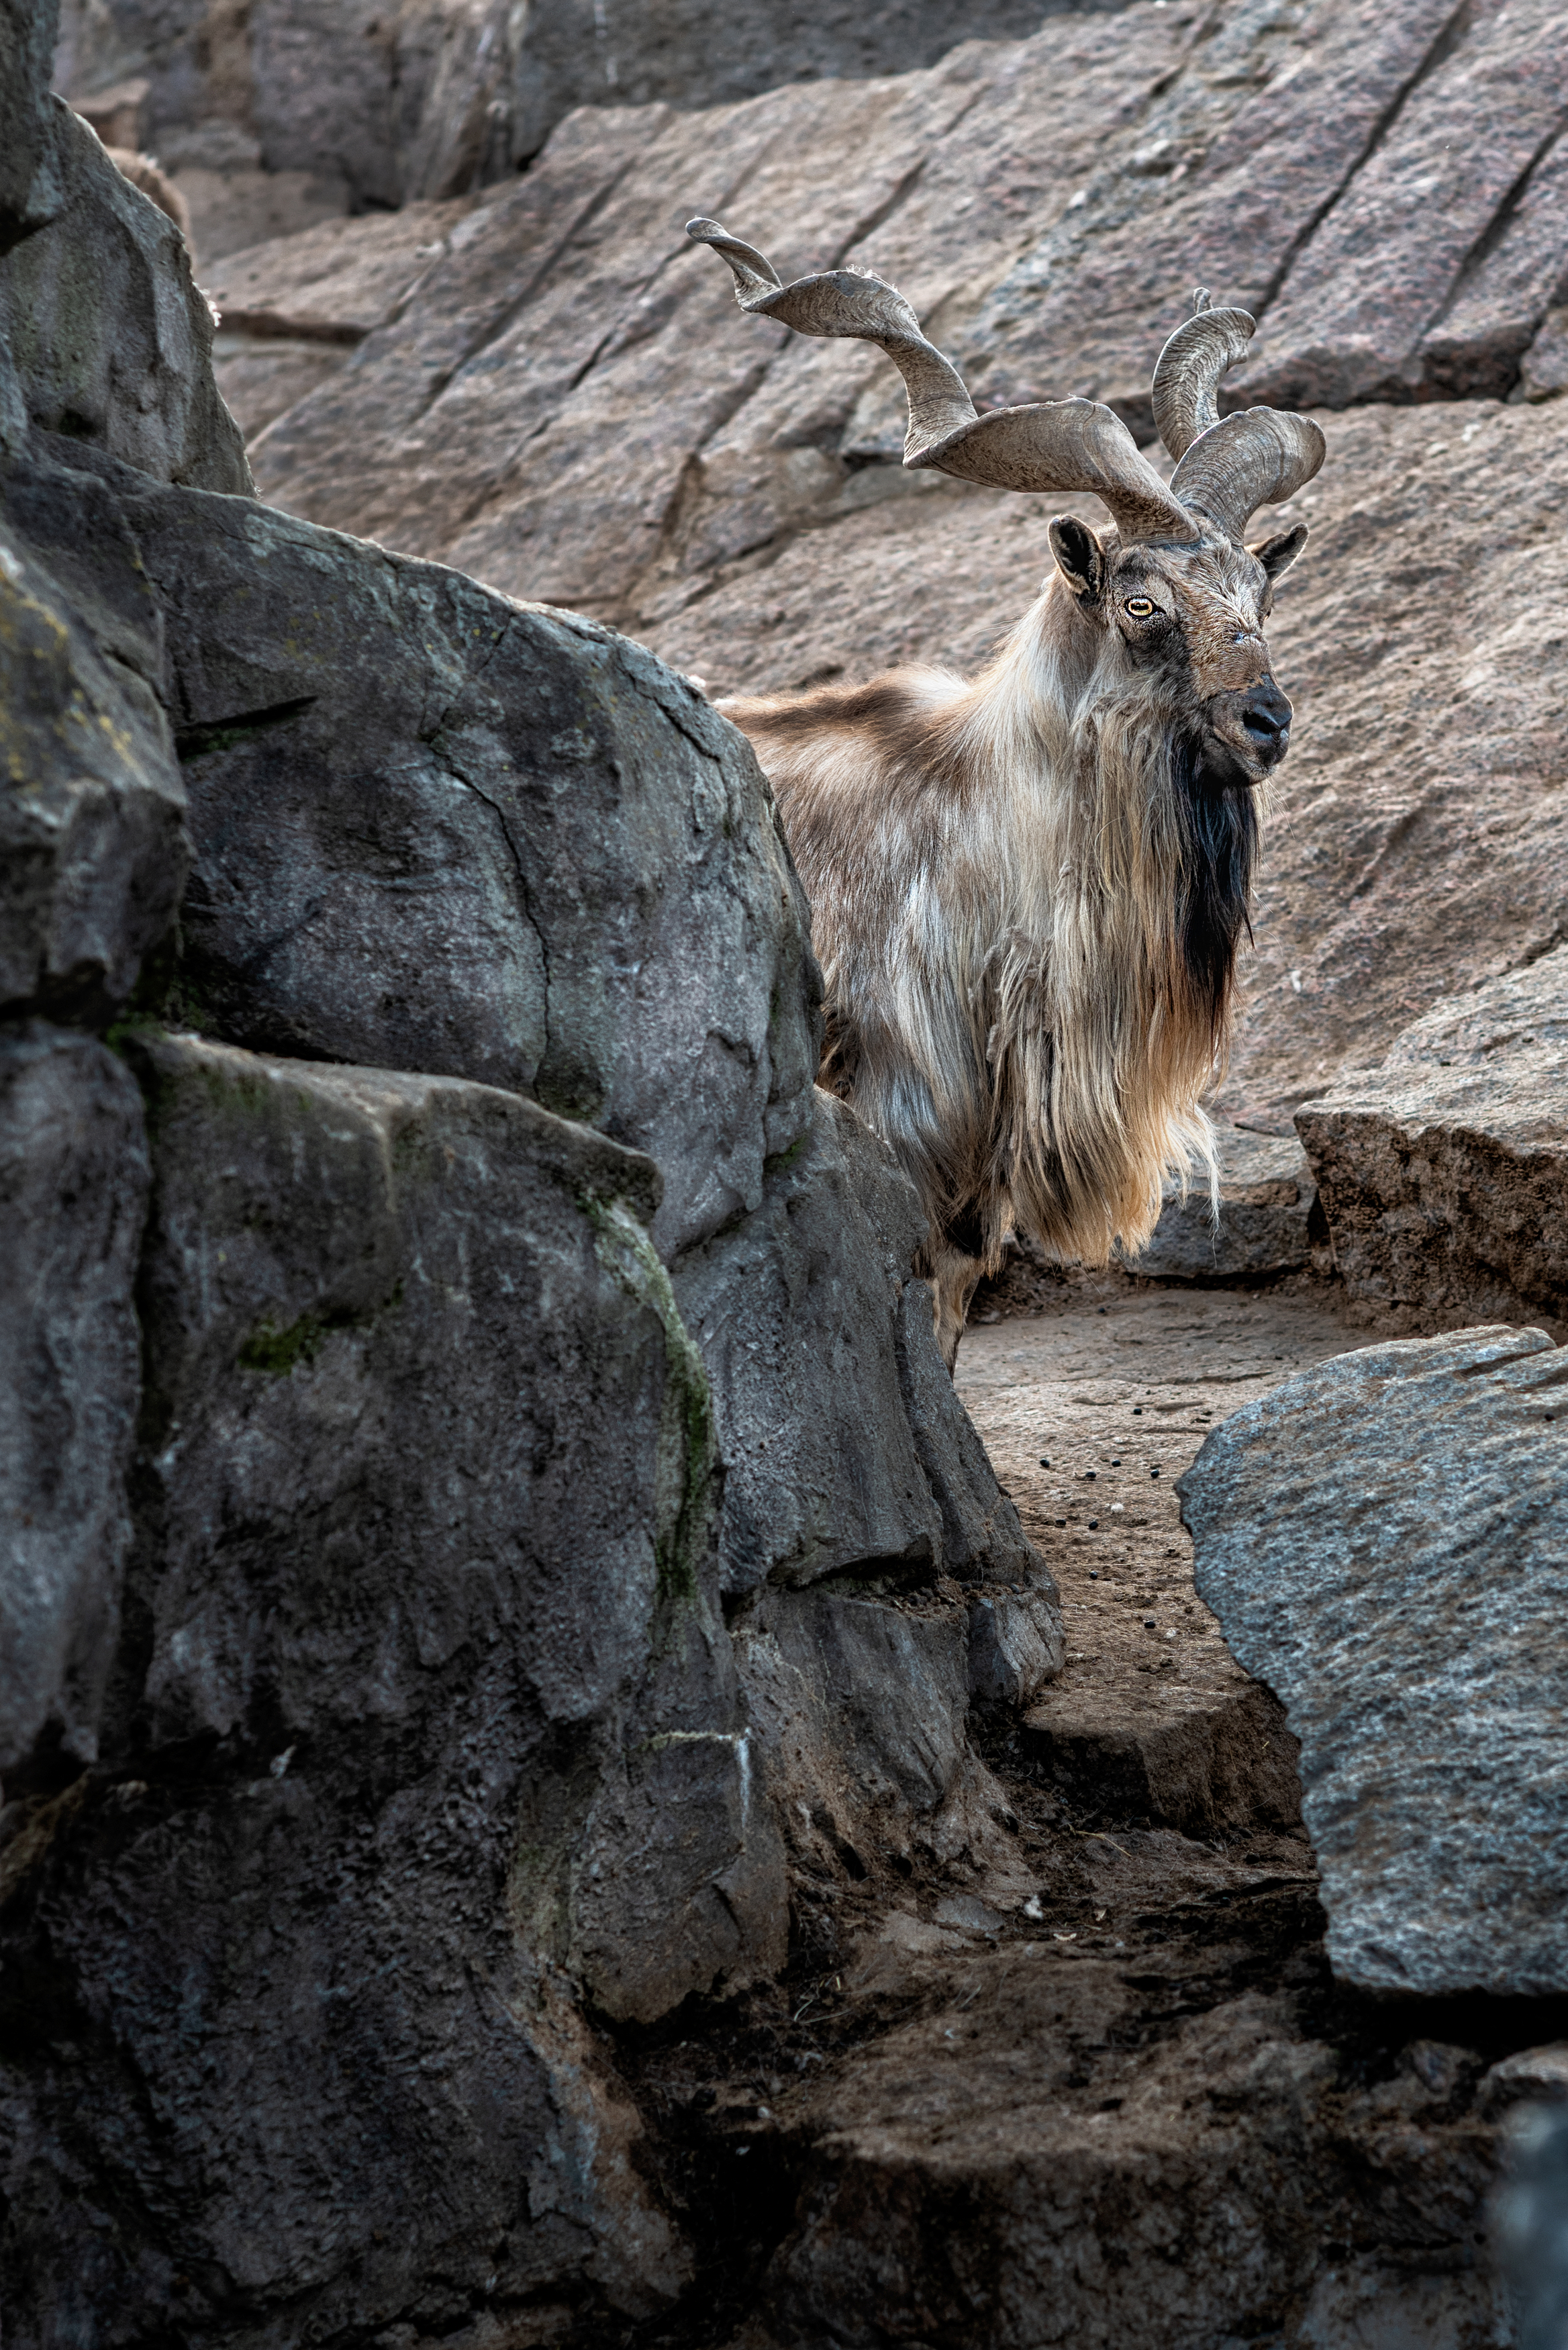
column 888, row 717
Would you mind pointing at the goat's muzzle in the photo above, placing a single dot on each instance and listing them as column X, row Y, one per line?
column 1248, row 732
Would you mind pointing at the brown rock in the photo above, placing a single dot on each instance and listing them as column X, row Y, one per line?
column 1444, row 1173
column 1406, row 243
column 434, row 97
column 577, row 413
column 292, row 309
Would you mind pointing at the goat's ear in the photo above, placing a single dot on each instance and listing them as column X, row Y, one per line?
column 1277, row 555
column 1080, row 558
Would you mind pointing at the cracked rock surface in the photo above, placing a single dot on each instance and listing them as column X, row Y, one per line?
column 1379, row 1539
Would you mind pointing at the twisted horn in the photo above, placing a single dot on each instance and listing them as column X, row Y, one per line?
column 1049, row 445
column 1259, row 457
column 1190, row 366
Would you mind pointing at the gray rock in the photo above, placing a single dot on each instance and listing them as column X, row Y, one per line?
column 31, row 191
column 73, row 1192
column 858, row 1691
column 843, row 1442
column 91, row 804
column 423, row 1722
column 1443, row 1173
column 1015, row 1645
column 328, row 1248
column 1266, row 1197
column 433, row 831
column 1380, row 1540
column 103, row 334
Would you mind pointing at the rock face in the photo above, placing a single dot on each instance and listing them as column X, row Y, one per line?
column 1378, row 1539
column 422, row 1517
column 1044, row 204
column 1442, row 1172
column 443, row 95
column 91, row 804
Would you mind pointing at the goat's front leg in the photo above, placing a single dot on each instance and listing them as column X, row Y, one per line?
column 952, row 1275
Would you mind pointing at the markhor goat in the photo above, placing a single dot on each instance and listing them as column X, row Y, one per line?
column 1027, row 891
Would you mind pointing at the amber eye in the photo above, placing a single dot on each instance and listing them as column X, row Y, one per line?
column 1140, row 607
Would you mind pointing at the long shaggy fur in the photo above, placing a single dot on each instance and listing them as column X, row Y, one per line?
column 1027, row 898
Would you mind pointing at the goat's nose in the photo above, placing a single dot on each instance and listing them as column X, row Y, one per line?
column 1266, row 715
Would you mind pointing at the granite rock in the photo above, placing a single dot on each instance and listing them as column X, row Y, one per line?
column 1433, row 269
column 73, row 1185
column 1266, row 1203
column 1444, row 1172
column 1378, row 1539
column 569, row 406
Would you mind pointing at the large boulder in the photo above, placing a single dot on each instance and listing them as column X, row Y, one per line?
column 1380, row 1540
column 423, row 1711
column 434, row 831
column 1444, row 1172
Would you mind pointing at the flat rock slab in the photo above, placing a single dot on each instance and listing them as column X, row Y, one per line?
column 1150, row 1715
column 1381, row 1541
column 1266, row 1203
column 1444, row 1173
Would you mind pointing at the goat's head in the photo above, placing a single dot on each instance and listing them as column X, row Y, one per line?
column 1174, row 588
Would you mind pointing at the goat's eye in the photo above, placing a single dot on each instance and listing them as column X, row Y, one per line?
column 1140, row 607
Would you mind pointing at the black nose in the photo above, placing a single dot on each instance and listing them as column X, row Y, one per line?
column 1266, row 715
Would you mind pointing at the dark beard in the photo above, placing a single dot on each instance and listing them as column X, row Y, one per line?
column 1219, row 822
